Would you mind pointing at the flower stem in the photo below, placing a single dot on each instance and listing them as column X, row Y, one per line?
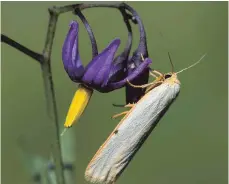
column 50, row 96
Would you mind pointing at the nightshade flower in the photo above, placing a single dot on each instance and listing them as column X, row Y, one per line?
column 96, row 75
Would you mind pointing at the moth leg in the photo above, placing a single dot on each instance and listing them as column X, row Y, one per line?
column 126, row 105
column 120, row 114
column 153, row 86
column 117, row 105
column 157, row 72
column 138, row 86
column 152, row 74
column 129, row 105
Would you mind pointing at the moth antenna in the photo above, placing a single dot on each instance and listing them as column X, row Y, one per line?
column 192, row 64
column 171, row 62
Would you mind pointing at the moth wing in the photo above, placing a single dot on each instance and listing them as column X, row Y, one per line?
column 120, row 147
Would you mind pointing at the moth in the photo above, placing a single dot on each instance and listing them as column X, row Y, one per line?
column 127, row 138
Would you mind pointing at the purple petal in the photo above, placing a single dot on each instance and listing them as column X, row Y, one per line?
column 134, row 94
column 117, row 73
column 119, row 68
column 138, row 71
column 70, row 53
column 97, row 71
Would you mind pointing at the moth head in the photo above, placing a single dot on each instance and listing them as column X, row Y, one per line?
column 171, row 78
column 168, row 75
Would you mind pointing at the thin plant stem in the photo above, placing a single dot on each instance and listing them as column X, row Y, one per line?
column 18, row 46
column 50, row 96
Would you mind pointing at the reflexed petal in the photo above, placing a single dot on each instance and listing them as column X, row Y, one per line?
column 118, row 70
column 97, row 71
column 70, row 53
column 138, row 71
column 134, row 94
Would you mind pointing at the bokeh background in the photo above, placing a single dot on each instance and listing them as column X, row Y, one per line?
column 190, row 143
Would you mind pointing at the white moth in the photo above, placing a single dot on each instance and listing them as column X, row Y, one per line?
column 117, row 151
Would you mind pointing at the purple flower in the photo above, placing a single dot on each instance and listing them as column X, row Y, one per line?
column 103, row 73
column 100, row 73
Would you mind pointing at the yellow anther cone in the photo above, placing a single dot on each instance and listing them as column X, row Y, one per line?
column 78, row 105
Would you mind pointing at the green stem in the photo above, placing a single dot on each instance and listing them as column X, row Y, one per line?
column 50, row 96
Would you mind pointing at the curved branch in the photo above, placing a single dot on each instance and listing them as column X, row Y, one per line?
column 25, row 50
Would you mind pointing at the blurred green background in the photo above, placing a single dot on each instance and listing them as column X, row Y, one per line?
column 190, row 143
